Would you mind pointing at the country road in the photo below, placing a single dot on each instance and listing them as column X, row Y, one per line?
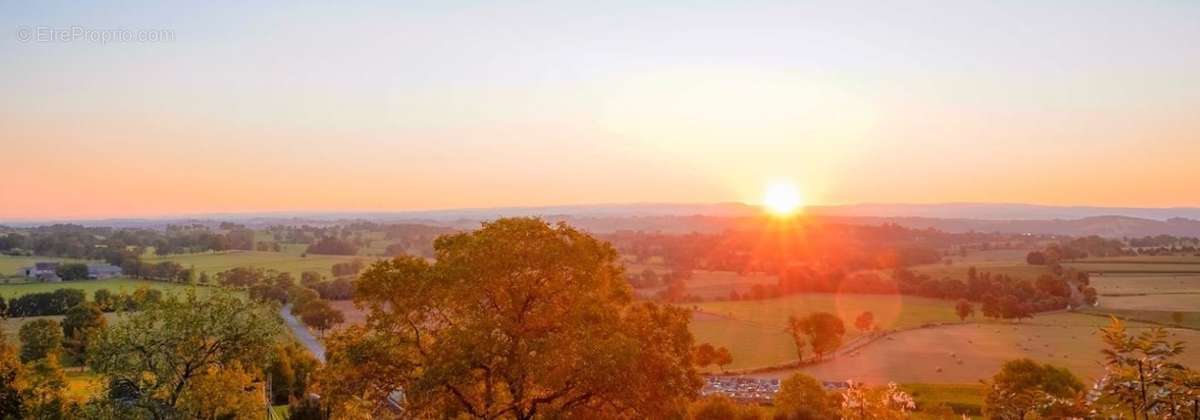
column 301, row 332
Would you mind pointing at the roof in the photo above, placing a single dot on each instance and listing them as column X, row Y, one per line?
column 45, row 266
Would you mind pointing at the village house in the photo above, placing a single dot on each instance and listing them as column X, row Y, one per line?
column 48, row 271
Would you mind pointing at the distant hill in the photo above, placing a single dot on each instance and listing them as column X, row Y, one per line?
column 715, row 217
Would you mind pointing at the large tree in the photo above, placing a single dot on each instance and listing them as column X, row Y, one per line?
column 156, row 355
column 824, row 331
column 519, row 319
column 80, row 327
column 40, row 338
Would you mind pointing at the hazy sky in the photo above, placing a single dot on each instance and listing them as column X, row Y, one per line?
column 387, row 106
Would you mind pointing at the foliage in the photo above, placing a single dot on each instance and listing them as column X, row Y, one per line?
column 319, row 315
column 40, row 338
column 864, row 322
column 12, row 381
column 823, row 330
column 964, row 309
column 45, row 303
column 154, row 355
column 801, row 396
column 290, row 371
column 860, row 402
column 719, row 407
column 519, row 319
column 72, row 271
column 79, row 328
column 1023, row 388
column 1142, row 378
column 43, row 398
column 226, row 393
column 330, row 245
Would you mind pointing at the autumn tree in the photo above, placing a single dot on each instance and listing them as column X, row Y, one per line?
column 43, row 395
column 519, row 319
column 964, row 309
column 154, row 357
column 11, row 381
column 227, row 393
column 1024, row 387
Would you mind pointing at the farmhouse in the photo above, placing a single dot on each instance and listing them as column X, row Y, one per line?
column 48, row 271
column 43, row 271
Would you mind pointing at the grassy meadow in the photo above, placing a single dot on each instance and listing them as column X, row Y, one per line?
column 968, row 353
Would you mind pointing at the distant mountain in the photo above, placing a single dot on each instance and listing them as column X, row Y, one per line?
column 1001, row 211
column 1107, row 226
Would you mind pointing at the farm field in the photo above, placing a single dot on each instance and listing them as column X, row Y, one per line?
column 1160, row 302
column 215, row 262
column 1178, row 265
column 753, row 331
column 752, row 345
column 1015, row 269
column 1146, row 283
column 967, row 353
column 9, row 291
column 890, row 311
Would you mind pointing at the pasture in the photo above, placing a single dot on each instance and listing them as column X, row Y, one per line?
column 215, row 262
column 968, row 353
column 890, row 311
column 754, row 333
column 1126, row 284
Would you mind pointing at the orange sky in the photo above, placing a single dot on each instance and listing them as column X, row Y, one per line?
column 270, row 110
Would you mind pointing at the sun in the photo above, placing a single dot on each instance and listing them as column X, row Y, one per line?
column 782, row 198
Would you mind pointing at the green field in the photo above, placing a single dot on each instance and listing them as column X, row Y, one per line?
column 215, row 262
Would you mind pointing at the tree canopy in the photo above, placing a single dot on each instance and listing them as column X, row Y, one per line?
column 519, row 319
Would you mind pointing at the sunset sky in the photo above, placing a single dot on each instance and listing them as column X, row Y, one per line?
column 386, row 106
